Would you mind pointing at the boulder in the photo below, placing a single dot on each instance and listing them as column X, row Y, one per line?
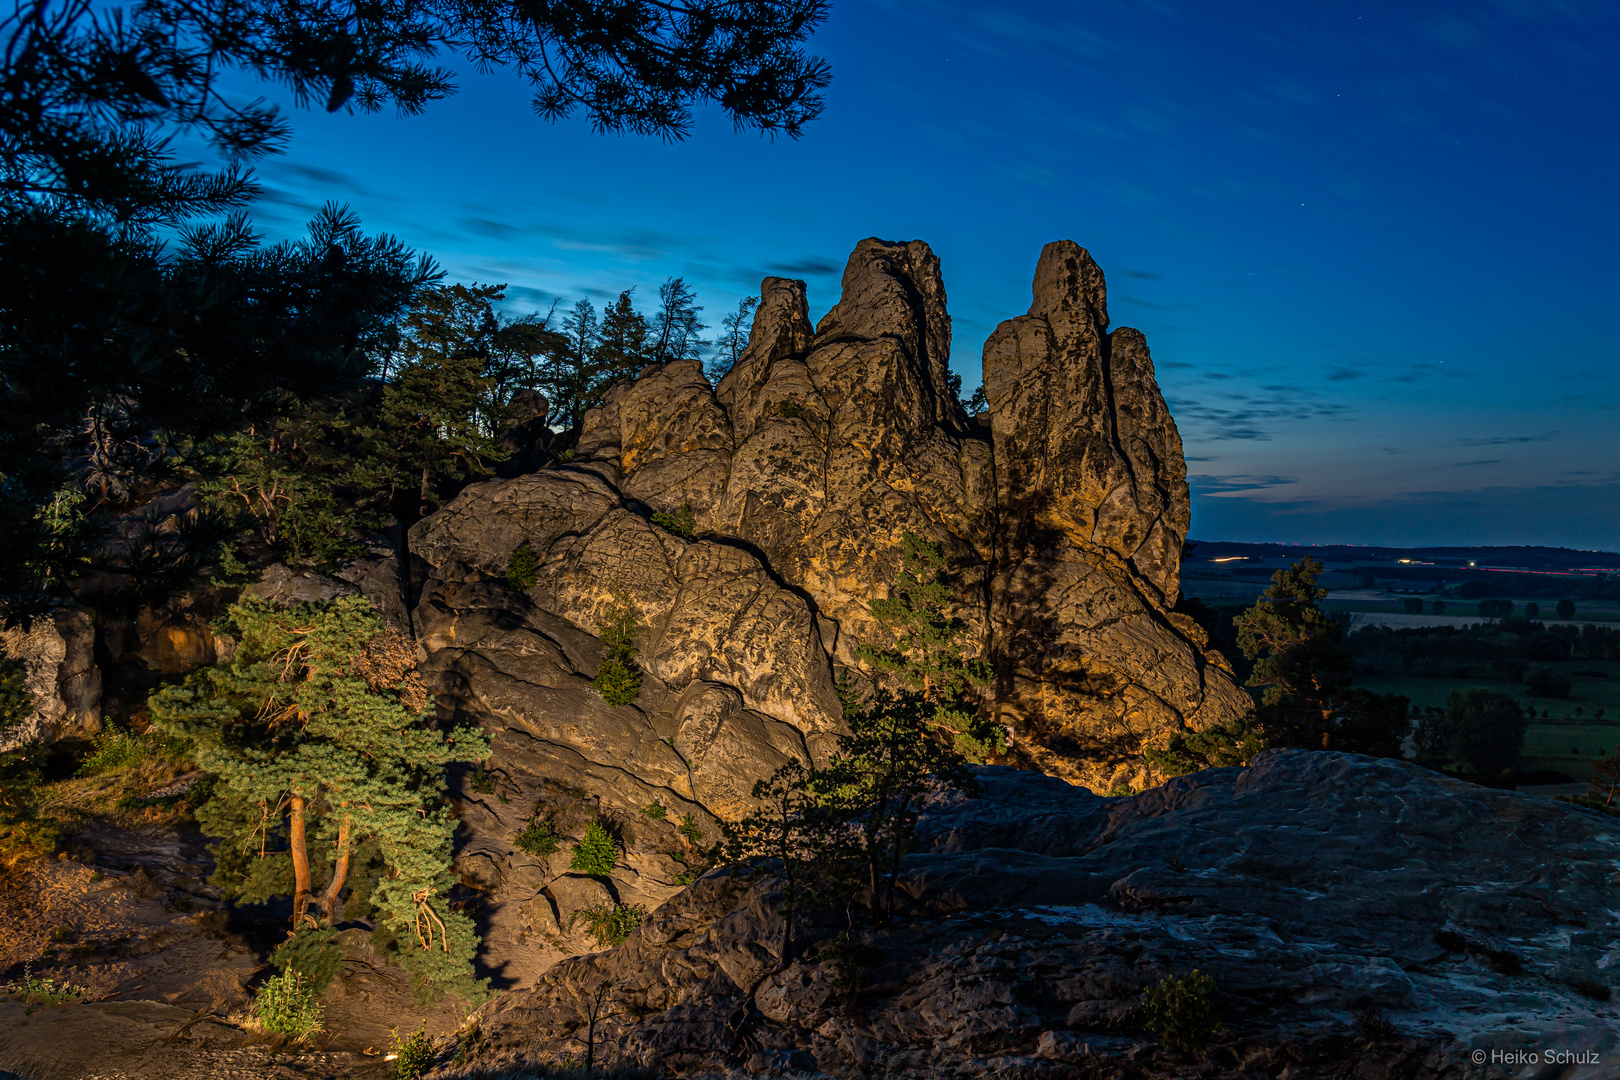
column 57, row 652
column 527, row 438
column 284, row 586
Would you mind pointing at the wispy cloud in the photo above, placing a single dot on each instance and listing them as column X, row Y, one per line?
column 1507, row 440
column 1216, row 485
column 809, row 266
column 1233, row 414
column 1180, row 305
column 494, row 230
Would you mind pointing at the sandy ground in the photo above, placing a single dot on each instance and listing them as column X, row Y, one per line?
column 144, row 1040
column 110, row 933
column 167, row 993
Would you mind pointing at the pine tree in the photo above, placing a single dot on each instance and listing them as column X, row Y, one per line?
column 571, row 376
column 676, row 331
column 928, row 656
column 596, row 854
column 787, row 837
column 438, row 425
column 168, row 346
column 876, row 783
column 319, row 733
column 617, row 680
column 523, row 568
column 287, row 478
column 1304, row 671
column 1299, row 662
column 621, row 344
column 516, row 355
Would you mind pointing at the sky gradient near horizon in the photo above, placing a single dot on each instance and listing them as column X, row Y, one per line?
column 1371, row 245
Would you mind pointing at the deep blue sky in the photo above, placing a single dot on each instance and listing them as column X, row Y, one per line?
column 1372, row 245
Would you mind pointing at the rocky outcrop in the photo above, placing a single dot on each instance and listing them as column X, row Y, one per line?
column 1062, row 521
column 735, row 683
column 58, row 655
column 1321, row 891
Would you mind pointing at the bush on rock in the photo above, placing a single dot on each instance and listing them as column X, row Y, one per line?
column 1181, row 1012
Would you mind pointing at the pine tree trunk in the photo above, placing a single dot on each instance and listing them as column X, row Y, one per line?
column 300, row 861
column 340, row 873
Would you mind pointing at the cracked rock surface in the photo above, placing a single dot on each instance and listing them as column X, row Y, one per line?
column 1311, row 886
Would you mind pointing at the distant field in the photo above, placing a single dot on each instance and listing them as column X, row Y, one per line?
column 1552, row 738
column 1221, row 588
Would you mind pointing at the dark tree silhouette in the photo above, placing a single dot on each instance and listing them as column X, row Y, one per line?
column 91, row 94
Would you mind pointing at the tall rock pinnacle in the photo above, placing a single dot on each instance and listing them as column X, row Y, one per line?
column 1062, row 522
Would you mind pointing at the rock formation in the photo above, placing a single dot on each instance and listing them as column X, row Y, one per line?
column 1313, row 887
column 1062, row 522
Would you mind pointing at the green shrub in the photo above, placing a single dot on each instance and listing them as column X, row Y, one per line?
column 976, row 738
column 413, row 1056
column 596, row 854
column 23, row 836
column 286, row 1005
column 617, row 682
column 689, row 829
column 523, row 569
column 1181, row 1012
column 789, row 409
column 33, row 993
column 655, row 810
column 538, row 839
column 314, row 955
column 115, row 749
column 610, row 925
column 681, row 523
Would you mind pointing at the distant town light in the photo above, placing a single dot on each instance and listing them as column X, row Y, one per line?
column 1231, row 558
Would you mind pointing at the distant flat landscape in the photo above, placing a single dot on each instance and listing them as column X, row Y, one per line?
column 1377, row 582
